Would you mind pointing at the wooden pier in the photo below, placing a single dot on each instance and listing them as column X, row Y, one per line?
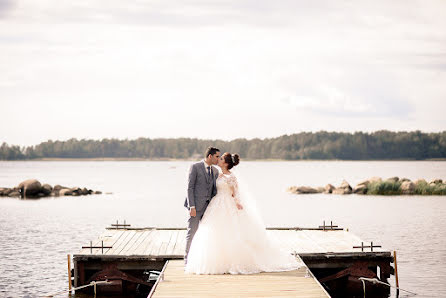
column 297, row 283
column 133, row 257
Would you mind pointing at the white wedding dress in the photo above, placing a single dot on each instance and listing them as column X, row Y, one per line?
column 234, row 241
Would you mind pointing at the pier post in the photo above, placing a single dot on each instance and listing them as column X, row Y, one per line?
column 69, row 272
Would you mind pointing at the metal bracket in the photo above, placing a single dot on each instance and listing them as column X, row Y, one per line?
column 330, row 227
column 119, row 226
column 371, row 246
column 91, row 247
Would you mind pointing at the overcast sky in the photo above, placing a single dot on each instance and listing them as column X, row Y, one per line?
column 218, row 69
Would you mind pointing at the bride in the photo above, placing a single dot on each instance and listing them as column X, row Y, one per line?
column 231, row 237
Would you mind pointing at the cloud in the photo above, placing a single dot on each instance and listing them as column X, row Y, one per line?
column 340, row 62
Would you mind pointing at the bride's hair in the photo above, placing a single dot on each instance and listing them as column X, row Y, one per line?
column 231, row 159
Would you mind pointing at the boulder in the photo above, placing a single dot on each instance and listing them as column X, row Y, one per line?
column 436, row 181
column 14, row 193
column 420, row 181
column 305, row 190
column 98, row 192
column 84, row 191
column 7, row 191
column 364, row 182
column 345, row 186
column 360, row 189
column 370, row 180
column 58, row 187
column 407, row 187
column 47, row 189
column 30, row 187
column 393, row 179
column 291, row 189
column 329, row 188
column 76, row 191
column 2, row 190
column 341, row 191
column 65, row 192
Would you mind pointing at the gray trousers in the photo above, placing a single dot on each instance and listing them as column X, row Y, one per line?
column 192, row 227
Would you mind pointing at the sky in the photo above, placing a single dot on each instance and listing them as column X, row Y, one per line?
column 219, row 69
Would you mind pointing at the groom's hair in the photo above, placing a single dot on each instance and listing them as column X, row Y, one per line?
column 211, row 151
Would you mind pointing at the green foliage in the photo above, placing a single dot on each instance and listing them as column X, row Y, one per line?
column 394, row 188
column 423, row 188
column 379, row 145
column 384, row 188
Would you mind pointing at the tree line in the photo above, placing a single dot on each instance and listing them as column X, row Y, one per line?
column 379, row 145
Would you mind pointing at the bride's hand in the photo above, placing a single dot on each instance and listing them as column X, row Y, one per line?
column 239, row 206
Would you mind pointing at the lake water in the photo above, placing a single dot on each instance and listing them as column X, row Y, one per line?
column 36, row 235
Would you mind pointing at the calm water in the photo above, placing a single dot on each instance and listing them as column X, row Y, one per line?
column 36, row 235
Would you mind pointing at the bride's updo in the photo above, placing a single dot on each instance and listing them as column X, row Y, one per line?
column 231, row 159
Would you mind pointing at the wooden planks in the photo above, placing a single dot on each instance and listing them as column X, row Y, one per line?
column 170, row 243
column 296, row 283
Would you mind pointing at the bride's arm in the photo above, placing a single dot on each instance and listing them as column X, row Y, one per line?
column 235, row 193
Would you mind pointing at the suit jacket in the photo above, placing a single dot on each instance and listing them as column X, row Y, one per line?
column 201, row 189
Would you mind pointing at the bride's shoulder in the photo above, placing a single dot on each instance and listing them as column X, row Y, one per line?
column 231, row 177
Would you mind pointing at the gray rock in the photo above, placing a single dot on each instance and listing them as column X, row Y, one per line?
column 365, row 182
column 47, row 189
column 76, row 191
column 436, row 181
column 420, row 181
column 373, row 180
column 65, row 192
column 345, row 186
column 341, row 191
column 393, row 179
column 306, row 189
column 329, row 188
column 291, row 189
column 7, row 191
column 59, row 187
column 2, row 191
column 407, row 187
column 30, row 187
column 14, row 193
column 84, row 191
column 360, row 189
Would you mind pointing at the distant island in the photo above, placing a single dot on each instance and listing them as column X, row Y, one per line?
column 379, row 145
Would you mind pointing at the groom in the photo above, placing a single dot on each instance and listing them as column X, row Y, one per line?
column 201, row 188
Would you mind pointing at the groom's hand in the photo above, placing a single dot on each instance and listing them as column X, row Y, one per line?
column 193, row 212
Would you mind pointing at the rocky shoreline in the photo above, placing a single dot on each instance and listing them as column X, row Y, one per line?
column 33, row 189
column 378, row 186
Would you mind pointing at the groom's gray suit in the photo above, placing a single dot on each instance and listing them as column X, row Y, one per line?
column 201, row 189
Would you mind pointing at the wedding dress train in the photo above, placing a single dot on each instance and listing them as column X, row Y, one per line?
column 234, row 241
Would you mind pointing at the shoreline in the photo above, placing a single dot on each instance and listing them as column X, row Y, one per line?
column 195, row 159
